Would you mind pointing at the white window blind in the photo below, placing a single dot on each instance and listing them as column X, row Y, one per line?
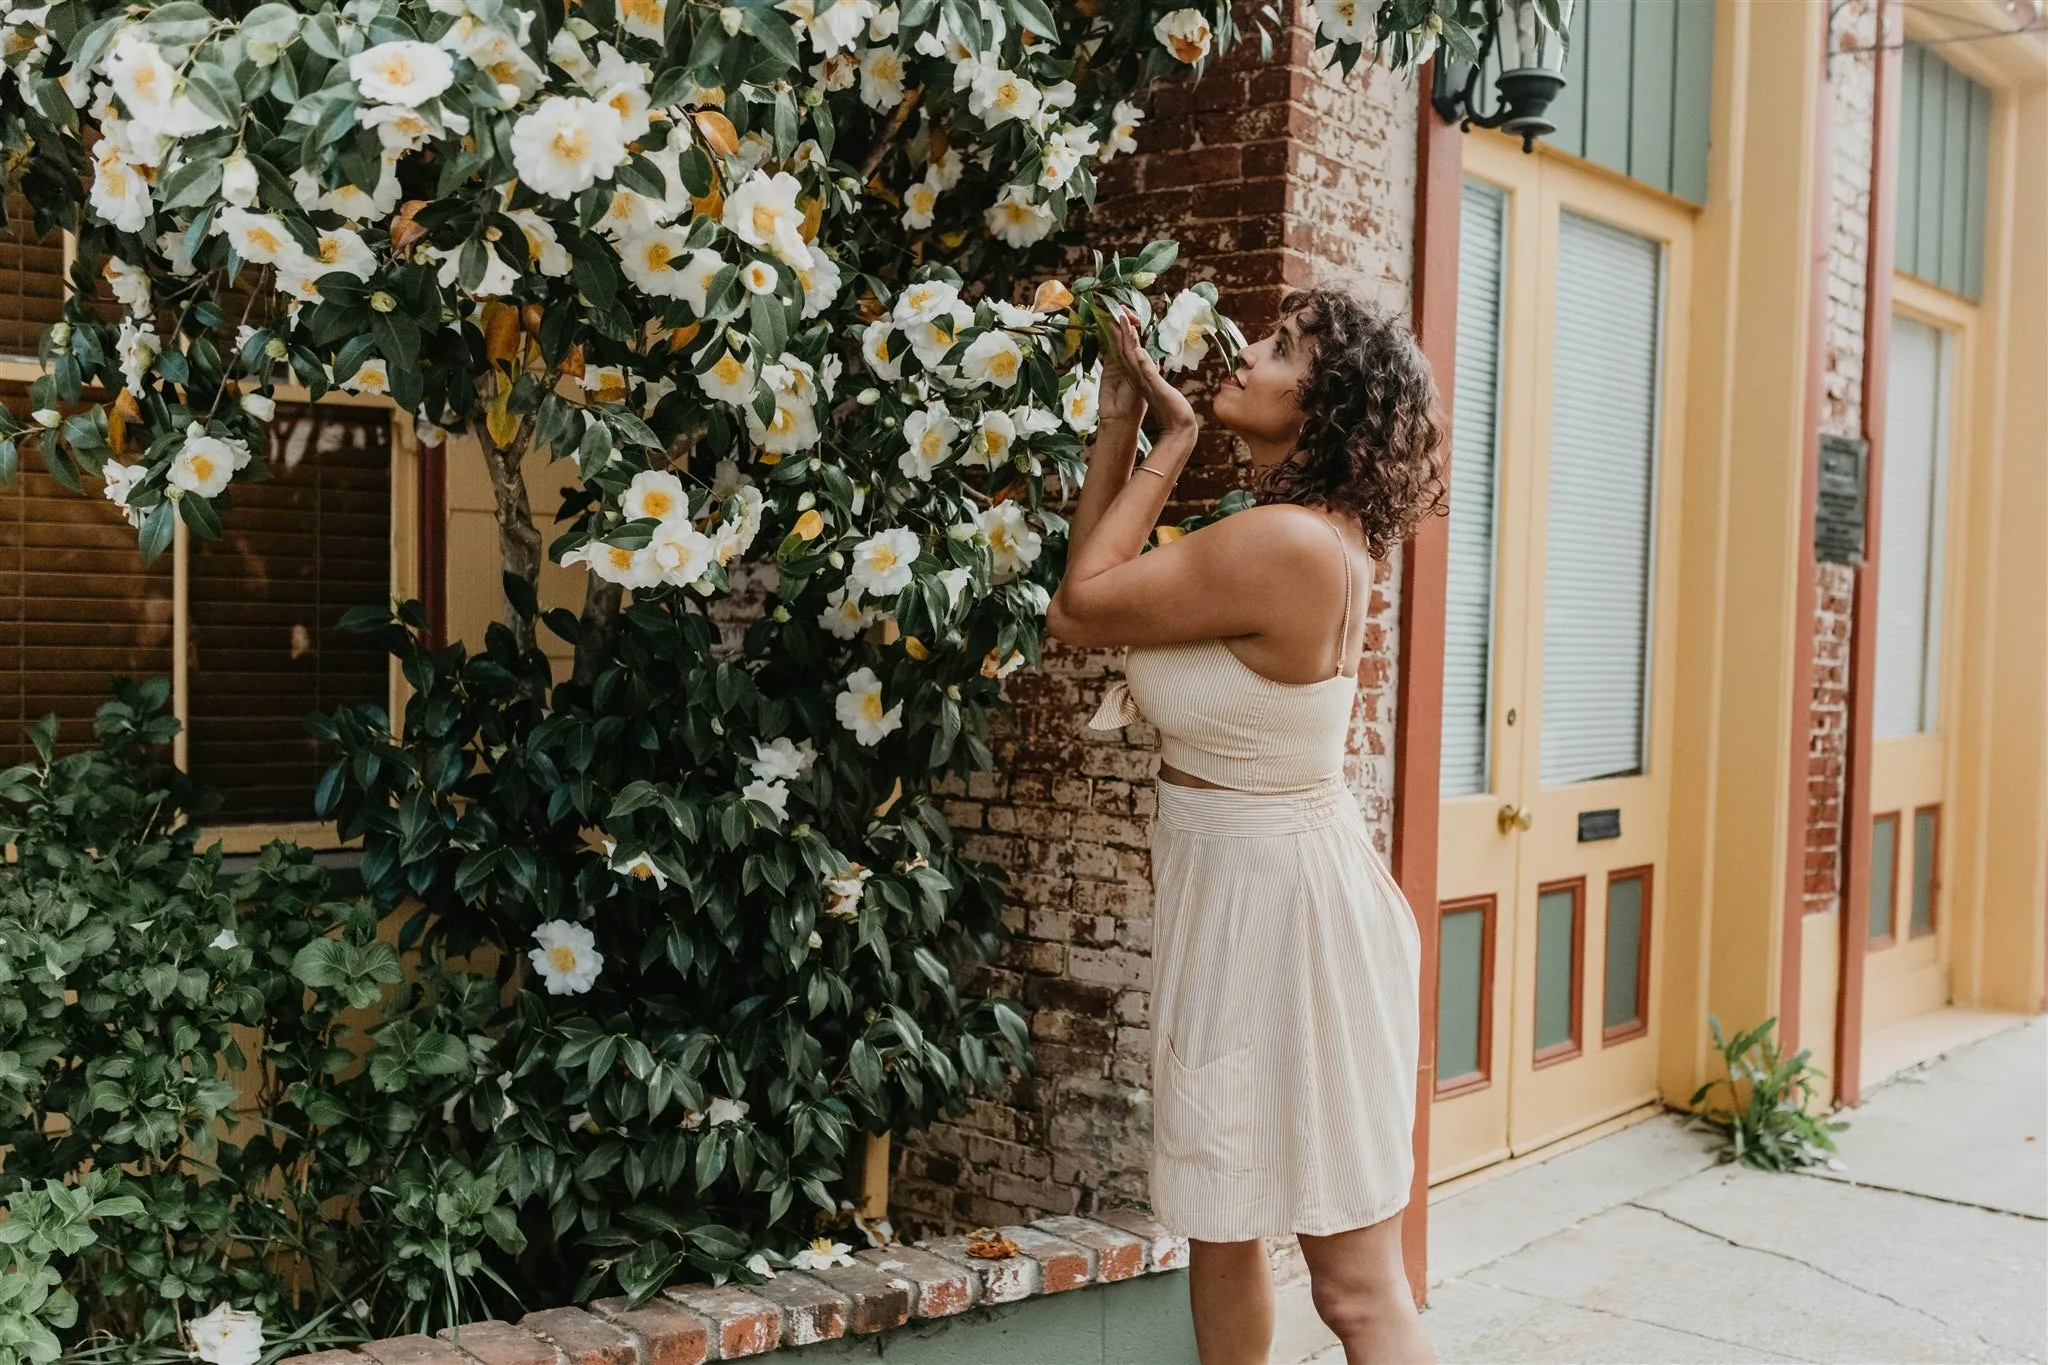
column 1475, row 409
column 1600, row 555
column 1915, row 506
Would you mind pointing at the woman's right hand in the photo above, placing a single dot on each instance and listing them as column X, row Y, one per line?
column 1121, row 398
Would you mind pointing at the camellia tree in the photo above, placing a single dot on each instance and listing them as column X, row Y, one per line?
column 777, row 277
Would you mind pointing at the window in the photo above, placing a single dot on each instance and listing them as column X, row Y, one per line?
column 31, row 281
column 1560, row 968
column 1912, row 545
column 1464, row 1000
column 259, row 607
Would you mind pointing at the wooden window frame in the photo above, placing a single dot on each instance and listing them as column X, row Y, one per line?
column 1640, row 1025
column 1874, row 944
column 1488, row 907
column 1933, row 928
column 1575, row 1046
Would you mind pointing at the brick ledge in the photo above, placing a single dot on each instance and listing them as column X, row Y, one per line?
column 687, row 1324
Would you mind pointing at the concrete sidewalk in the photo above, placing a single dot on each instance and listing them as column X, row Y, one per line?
column 1930, row 1245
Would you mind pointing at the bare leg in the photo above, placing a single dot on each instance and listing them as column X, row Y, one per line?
column 1361, row 1293
column 1230, row 1288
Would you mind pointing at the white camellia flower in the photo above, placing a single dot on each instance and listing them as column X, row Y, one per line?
column 1185, row 331
column 820, row 281
column 773, row 795
column 758, row 277
column 401, row 72
column 680, row 551
column 119, row 194
column 238, row 181
column 1018, row 218
column 204, row 464
column 567, row 958
column 697, row 274
column 121, row 480
column 1184, row 33
column 373, row 376
column 993, row 358
column 930, row 432
column 401, row 130
column 822, row 1254
column 258, row 238
column 860, row 708
column 617, row 564
column 874, row 349
column 262, row 407
column 644, row 18
column 1342, row 21
column 622, row 85
column 640, row 867
column 129, row 283
column 782, row 760
column 990, row 444
column 567, row 144
column 794, row 426
column 920, row 201
column 759, row 1265
column 1123, row 130
column 227, row 1336
column 149, row 86
column 654, row 493
column 225, row 940
column 136, row 347
column 763, row 212
column 544, row 249
column 946, row 170
column 656, row 262
column 1078, row 403
column 725, row 1110
column 925, row 300
column 931, row 339
column 1015, row 316
column 844, row 616
column 842, row 894
column 1012, row 543
column 836, row 72
column 881, row 563
column 997, row 96
column 1064, row 153
column 728, row 380
column 881, row 78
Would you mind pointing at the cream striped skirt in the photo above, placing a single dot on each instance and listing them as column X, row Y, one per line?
column 1283, row 1016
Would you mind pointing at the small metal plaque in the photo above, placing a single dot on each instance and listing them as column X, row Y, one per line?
column 1599, row 824
column 1839, row 500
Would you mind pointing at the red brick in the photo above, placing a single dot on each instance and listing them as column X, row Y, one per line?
column 1119, row 1255
column 415, row 1349
column 498, row 1343
column 1003, row 1279
column 665, row 1334
column 1062, row 1264
column 1164, row 1250
column 325, row 1358
column 875, row 1302
column 583, row 1339
column 811, row 1311
column 938, row 1288
column 742, row 1323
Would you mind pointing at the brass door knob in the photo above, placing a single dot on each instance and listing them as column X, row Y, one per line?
column 1513, row 818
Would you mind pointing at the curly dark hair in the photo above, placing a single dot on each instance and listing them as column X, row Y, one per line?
column 1370, row 432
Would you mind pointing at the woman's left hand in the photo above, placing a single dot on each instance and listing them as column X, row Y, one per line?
column 1168, row 403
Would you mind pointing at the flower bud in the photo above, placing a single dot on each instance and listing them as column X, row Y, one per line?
column 815, row 942
column 806, row 501
column 263, row 54
column 800, row 831
column 238, row 181
column 46, row 417
column 962, row 530
column 382, row 302
column 259, row 406
column 1144, row 279
column 813, row 97
column 836, row 560
column 60, row 335
column 730, row 18
column 867, row 398
column 953, row 691
column 275, row 349
column 781, row 615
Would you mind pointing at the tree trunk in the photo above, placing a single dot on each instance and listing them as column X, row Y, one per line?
column 600, row 622
column 519, row 542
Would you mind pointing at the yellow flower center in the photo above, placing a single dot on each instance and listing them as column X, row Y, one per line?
column 645, row 11
column 765, row 218
column 397, row 69
column 729, row 370
column 620, row 557
column 657, row 503
column 562, row 958
column 201, row 467
column 643, row 870
column 1006, row 95
column 1003, row 364
column 929, row 443
column 882, row 559
column 570, row 143
column 659, row 255
column 784, row 421
column 146, row 82
column 623, row 102
column 871, row 706
column 330, row 250
column 263, row 239
column 999, row 536
column 117, row 182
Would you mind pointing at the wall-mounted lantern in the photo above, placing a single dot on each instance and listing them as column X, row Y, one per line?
column 1525, row 41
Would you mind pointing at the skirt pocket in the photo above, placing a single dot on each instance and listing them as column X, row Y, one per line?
column 1205, row 1113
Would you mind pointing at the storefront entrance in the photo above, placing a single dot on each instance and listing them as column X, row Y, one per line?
column 1559, row 640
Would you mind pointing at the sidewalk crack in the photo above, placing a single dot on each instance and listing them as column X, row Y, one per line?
column 1922, row 1194
column 1626, row 1317
column 1819, row 1270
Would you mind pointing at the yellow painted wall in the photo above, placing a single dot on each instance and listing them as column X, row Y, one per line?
column 475, row 597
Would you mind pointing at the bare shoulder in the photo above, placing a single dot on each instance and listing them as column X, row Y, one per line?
column 1279, row 534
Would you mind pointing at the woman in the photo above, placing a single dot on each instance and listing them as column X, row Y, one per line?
column 1284, row 1000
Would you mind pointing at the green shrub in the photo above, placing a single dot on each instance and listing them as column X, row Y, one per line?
column 1769, row 1123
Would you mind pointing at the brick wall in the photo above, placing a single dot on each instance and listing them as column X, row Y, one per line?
column 1272, row 175
column 1850, row 90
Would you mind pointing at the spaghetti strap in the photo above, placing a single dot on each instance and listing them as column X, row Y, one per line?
column 1343, row 629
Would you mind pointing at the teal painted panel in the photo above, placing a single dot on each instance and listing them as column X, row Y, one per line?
column 1569, row 110
column 1926, row 827
column 1610, row 64
column 1556, row 938
column 1884, row 872
column 1461, row 979
column 1692, row 100
column 1944, row 167
column 1624, row 952
column 1653, row 64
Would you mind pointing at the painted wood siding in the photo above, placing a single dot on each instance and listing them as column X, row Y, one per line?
column 1944, row 158
column 1639, row 78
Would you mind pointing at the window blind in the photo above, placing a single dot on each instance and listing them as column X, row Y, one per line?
column 31, row 280
column 1600, row 556
column 294, row 554
column 1475, row 408
column 1907, row 686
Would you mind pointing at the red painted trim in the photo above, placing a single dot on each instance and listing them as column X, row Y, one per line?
column 1877, row 347
column 1488, row 907
column 1640, row 1025
column 1419, row 684
column 1576, row 1044
column 432, row 533
column 1792, row 912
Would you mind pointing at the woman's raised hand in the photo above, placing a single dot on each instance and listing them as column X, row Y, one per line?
column 1131, row 381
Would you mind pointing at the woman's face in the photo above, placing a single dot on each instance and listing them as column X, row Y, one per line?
column 1259, row 400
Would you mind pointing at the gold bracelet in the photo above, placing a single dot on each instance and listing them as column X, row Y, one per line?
column 1147, row 469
